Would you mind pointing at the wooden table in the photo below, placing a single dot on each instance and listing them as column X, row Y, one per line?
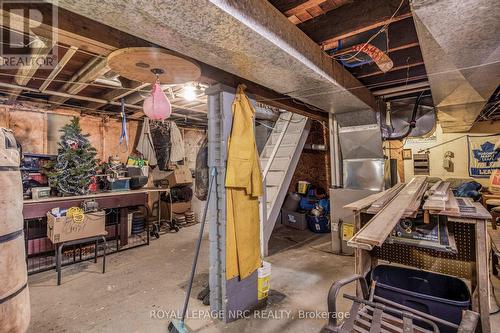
column 122, row 200
column 470, row 262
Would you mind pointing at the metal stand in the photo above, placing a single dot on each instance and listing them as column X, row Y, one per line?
column 59, row 248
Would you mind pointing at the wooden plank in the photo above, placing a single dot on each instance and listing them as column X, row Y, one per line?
column 385, row 199
column 117, row 94
column 469, row 322
column 482, row 275
column 412, row 210
column 451, row 206
column 26, row 72
column 380, row 226
column 60, row 65
column 88, row 73
column 439, row 195
column 303, row 7
column 365, row 202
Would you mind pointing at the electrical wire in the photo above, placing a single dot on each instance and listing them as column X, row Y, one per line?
column 384, row 27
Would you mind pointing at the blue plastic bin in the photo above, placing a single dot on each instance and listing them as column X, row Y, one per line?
column 441, row 296
column 318, row 224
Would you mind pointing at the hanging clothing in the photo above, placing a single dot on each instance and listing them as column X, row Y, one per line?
column 160, row 133
column 145, row 145
column 243, row 187
column 177, row 153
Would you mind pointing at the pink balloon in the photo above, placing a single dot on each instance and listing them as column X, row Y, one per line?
column 157, row 106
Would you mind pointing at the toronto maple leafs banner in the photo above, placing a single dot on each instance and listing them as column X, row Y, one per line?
column 484, row 155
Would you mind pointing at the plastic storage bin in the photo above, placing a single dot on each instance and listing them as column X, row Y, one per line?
column 439, row 295
column 318, row 224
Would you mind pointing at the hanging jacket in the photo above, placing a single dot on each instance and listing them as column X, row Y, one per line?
column 145, row 145
column 243, row 187
column 177, row 152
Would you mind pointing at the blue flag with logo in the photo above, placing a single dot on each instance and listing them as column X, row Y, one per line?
column 484, row 155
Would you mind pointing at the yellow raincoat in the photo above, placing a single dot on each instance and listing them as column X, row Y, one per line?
column 243, row 187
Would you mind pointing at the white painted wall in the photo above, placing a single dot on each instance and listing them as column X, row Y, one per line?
column 458, row 147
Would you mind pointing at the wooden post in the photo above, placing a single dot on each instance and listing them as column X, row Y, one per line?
column 482, row 275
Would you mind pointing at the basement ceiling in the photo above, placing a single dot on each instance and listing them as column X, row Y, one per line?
column 302, row 49
column 338, row 25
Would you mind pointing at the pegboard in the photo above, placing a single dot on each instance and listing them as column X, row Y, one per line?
column 460, row 264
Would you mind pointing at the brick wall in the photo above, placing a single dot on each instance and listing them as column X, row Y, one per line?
column 314, row 166
column 30, row 126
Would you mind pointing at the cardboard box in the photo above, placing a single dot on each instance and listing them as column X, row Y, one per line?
column 63, row 229
column 293, row 219
column 180, row 176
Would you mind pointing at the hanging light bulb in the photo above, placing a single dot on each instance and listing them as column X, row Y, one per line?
column 189, row 93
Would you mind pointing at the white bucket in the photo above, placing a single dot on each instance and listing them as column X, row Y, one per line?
column 264, row 280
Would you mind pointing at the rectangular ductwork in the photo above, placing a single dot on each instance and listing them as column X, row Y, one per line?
column 248, row 38
column 360, row 141
column 459, row 43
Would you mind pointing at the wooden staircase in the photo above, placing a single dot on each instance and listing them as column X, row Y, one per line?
column 279, row 159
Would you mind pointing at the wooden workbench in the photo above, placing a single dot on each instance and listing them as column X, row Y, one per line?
column 38, row 208
column 122, row 200
column 471, row 261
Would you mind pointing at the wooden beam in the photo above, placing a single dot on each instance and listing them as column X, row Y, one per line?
column 63, row 36
column 353, row 19
column 264, row 95
column 284, row 5
column 26, row 72
column 60, row 65
column 397, row 77
column 117, row 94
column 88, row 73
column 303, row 7
column 311, row 9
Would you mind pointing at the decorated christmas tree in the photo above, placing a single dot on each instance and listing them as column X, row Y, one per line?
column 72, row 172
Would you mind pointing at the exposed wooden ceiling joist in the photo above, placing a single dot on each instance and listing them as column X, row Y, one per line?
column 98, row 38
column 88, row 73
column 352, row 19
column 83, row 39
column 117, row 94
column 60, row 65
column 397, row 77
column 401, row 58
column 311, row 9
column 27, row 71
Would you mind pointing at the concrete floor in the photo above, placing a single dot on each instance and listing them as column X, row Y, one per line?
column 144, row 285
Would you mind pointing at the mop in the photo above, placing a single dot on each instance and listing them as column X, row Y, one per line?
column 178, row 326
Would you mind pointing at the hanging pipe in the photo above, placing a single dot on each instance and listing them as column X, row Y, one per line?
column 413, row 121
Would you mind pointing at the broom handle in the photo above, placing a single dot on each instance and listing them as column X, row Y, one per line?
column 213, row 179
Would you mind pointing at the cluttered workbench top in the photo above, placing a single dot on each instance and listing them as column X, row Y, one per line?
column 96, row 195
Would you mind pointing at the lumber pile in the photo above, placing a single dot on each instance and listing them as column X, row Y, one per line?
column 438, row 196
column 389, row 194
column 365, row 202
column 375, row 232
